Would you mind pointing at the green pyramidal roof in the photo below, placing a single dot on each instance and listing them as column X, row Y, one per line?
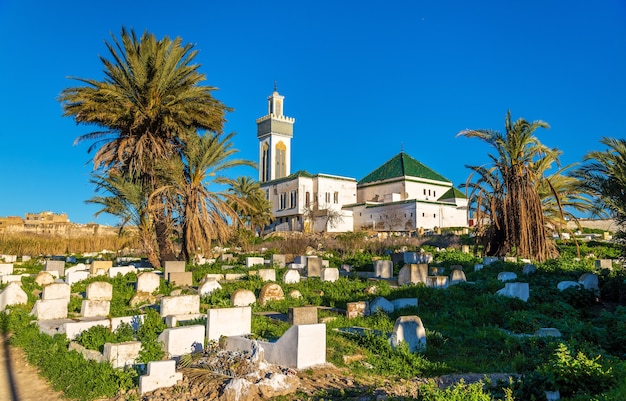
column 402, row 165
column 453, row 193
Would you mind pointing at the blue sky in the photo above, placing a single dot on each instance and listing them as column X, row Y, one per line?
column 363, row 80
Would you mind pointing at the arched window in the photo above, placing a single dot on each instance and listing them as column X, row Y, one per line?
column 281, row 160
column 265, row 165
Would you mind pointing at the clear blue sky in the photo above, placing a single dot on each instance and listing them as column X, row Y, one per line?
column 363, row 79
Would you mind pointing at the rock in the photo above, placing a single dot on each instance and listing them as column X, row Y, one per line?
column 239, row 389
column 278, row 384
column 142, row 298
column 295, row 294
column 44, row 278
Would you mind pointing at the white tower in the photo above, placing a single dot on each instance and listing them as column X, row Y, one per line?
column 274, row 132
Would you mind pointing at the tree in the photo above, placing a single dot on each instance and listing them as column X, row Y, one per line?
column 257, row 213
column 507, row 192
column 204, row 215
column 144, row 108
column 129, row 201
column 603, row 177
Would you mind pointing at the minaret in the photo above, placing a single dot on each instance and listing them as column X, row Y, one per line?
column 274, row 131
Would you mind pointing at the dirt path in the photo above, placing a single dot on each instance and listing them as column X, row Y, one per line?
column 18, row 380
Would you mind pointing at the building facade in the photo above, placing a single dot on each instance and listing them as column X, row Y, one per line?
column 401, row 195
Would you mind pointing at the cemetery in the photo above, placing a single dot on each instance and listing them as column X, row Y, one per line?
column 401, row 323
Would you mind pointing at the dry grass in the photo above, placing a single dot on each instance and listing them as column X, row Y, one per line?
column 37, row 244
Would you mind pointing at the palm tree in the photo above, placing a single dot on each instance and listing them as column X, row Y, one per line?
column 129, row 201
column 149, row 100
column 603, row 177
column 204, row 215
column 514, row 205
column 257, row 214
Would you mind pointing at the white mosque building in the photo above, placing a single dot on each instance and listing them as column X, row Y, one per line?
column 402, row 195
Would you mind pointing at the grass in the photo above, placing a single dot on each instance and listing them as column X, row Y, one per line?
column 468, row 328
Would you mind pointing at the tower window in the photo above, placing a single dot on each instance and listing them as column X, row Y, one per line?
column 336, row 197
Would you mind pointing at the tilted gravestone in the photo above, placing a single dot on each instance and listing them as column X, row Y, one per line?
column 409, row 329
column 413, row 274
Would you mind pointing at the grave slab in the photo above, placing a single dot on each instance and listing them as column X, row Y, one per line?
column 160, row 374
column 183, row 340
column 228, row 322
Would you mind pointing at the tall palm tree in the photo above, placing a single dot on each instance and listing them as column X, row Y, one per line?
column 204, row 215
column 149, row 100
column 603, row 177
column 516, row 208
column 129, row 201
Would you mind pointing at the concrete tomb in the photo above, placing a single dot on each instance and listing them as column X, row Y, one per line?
column 242, row 297
column 529, row 269
column 208, row 287
column 413, row 274
column 356, row 309
column 100, row 267
column 488, row 260
column 507, row 276
column 95, row 308
column 604, row 264
column 228, row 322
column 177, row 341
column 271, row 292
column 50, row 309
column 57, row 266
column 56, row 291
column 589, row 281
column 12, row 294
column 76, row 276
column 121, row 270
column 515, row 290
column 313, row 266
column 160, row 374
column 6, row 268
column 437, row 281
column 457, row 276
column 409, row 329
column 180, row 305
column 302, row 315
column 99, row 291
column 278, row 261
column 267, row 274
column 330, row 274
column 383, row 268
column 404, row 303
column 148, row 282
column 563, row 285
column 301, row 347
column 291, row 277
column 173, row 266
column 252, row 261
column 381, row 303
column 122, row 354
column 181, row 279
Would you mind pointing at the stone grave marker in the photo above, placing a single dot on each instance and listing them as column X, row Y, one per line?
column 181, row 278
column 356, row 309
column 278, row 261
column 409, row 329
column 271, row 292
column 180, row 305
column 242, row 297
column 12, row 294
column 148, row 282
column 413, row 274
column 267, row 274
column 313, row 266
column 99, row 290
column 228, row 322
column 302, row 315
column 173, row 266
column 57, row 266
column 252, row 261
column 604, row 264
column 457, row 276
column 6, row 268
column 383, row 268
column 563, row 285
column 529, row 269
column 382, row 304
column 100, row 266
column 507, row 276
column 291, row 277
column 330, row 274
column 515, row 290
column 589, row 281
column 437, row 281
column 404, row 303
column 208, row 287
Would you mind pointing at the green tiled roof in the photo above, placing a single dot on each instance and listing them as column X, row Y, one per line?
column 402, row 165
column 453, row 193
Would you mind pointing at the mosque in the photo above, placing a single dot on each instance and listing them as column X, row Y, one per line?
column 400, row 196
